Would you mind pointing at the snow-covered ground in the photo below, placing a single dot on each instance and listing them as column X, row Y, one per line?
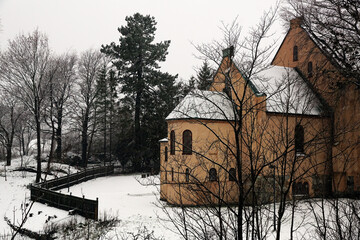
column 134, row 200
column 15, row 194
column 122, row 196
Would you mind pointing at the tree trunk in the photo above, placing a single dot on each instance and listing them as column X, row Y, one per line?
column 84, row 141
column 8, row 154
column 38, row 139
column 137, row 133
column 92, row 136
column 22, row 141
column 58, row 151
column 105, row 126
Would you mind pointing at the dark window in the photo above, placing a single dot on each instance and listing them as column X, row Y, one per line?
column 350, row 183
column 166, row 176
column 232, row 174
column 172, row 174
column 172, row 142
column 299, row 139
column 295, row 53
column 187, row 142
column 226, row 89
column 166, row 154
column 187, row 175
column 310, row 69
column 299, row 188
column 306, row 188
column 212, row 174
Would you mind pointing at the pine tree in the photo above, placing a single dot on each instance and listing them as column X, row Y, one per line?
column 102, row 105
column 137, row 59
column 204, row 76
column 159, row 104
column 105, row 104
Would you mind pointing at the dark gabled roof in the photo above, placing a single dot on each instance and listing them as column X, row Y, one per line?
column 250, row 84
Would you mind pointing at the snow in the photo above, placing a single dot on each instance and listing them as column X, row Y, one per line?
column 124, row 196
column 14, row 193
column 134, row 200
column 203, row 105
column 286, row 91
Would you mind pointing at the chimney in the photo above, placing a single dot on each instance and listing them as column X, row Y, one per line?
column 228, row 52
column 296, row 22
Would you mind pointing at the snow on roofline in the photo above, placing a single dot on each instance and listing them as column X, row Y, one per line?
column 204, row 105
column 287, row 92
column 163, row 140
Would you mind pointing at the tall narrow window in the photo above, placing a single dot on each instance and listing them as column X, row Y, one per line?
column 212, row 174
column 172, row 143
column 232, row 174
column 350, row 183
column 310, row 69
column 166, row 154
column 227, row 89
column 172, row 174
column 166, row 176
column 299, row 139
column 187, row 142
column 306, row 188
column 187, row 175
column 295, row 53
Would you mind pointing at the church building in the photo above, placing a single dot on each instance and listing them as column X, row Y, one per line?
column 293, row 129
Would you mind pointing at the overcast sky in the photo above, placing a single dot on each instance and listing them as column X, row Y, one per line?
column 76, row 25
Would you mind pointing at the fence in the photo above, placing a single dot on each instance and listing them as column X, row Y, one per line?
column 45, row 192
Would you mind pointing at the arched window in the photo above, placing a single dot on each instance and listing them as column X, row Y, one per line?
column 295, row 53
column 187, row 142
column 299, row 139
column 310, row 69
column 172, row 143
column 306, row 188
column 187, row 175
column 232, row 174
column 166, row 154
column 212, row 174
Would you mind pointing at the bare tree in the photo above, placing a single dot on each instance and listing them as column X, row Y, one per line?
column 10, row 113
column 251, row 147
column 88, row 67
column 23, row 71
column 61, row 75
column 335, row 26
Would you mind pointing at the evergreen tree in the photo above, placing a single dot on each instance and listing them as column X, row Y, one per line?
column 185, row 88
column 105, row 104
column 204, row 77
column 160, row 102
column 102, row 105
column 137, row 58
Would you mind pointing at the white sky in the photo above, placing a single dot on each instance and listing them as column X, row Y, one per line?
column 76, row 25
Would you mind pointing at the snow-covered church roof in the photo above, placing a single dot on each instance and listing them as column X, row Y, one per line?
column 286, row 91
column 203, row 105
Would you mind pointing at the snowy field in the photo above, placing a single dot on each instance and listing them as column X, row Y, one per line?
column 15, row 194
column 122, row 196
column 133, row 200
